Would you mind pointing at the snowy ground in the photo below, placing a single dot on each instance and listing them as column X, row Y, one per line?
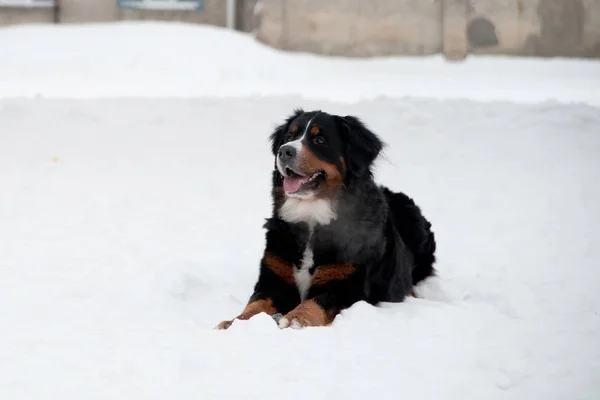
column 130, row 227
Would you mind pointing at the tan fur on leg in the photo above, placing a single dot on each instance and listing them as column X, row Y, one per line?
column 252, row 309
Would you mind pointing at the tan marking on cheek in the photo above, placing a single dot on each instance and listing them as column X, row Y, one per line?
column 309, row 163
column 309, row 313
column 315, row 130
column 252, row 309
column 334, row 272
column 280, row 268
column 334, row 180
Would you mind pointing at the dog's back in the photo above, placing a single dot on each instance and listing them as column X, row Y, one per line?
column 415, row 231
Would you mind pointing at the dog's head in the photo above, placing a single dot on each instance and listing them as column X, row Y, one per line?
column 317, row 153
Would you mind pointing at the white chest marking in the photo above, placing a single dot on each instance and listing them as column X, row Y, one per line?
column 302, row 275
column 318, row 211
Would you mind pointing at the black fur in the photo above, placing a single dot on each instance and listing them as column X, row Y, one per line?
column 362, row 145
column 381, row 233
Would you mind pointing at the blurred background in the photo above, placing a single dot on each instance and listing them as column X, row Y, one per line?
column 454, row 28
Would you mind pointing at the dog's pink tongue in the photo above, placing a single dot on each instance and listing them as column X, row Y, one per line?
column 292, row 184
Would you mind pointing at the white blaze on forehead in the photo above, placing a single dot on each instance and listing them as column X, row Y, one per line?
column 308, row 125
column 297, row 144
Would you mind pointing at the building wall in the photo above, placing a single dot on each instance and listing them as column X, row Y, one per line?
column 569, row 28
column 360, row 28
column 86, row 11
column 82, row 11
column 245, row 19
column 455, row 28
column 351, row 28
column 214, row 13
column 18, row 15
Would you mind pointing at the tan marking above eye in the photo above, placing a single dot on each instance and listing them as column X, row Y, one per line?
column 315, row 130
column 294, row 129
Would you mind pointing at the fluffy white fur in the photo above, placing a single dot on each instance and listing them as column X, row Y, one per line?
column 311, row 211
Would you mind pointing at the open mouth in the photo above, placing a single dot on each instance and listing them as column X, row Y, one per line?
column 294, row 182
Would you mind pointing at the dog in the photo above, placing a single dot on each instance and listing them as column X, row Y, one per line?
column 335, row 237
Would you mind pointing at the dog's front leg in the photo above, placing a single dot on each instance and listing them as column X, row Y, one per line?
column 274, row 292
column 333, row 288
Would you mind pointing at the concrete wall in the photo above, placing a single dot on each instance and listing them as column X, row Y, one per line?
column 214, row 13
column 421, row 27
column 359, row 28
column 81, row 11
column 569, row 28
column 85, row 11
column 245, row 18
column 18, row 15
column 351, row 28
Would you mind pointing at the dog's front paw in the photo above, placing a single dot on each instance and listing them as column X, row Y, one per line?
column 252, row 309
column 306, row 314
column 291, row 322
column 224, row 325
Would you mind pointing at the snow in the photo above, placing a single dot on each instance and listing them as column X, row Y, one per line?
column 131, row 226
column 160, row 59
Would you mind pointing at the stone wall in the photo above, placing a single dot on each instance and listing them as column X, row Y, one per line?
column 421, row 27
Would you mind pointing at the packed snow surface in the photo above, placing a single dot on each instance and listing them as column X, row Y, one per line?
column 130, row 227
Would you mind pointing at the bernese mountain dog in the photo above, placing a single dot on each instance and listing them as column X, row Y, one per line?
column 335, row 237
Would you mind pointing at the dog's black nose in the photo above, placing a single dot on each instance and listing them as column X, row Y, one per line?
column 287, row 153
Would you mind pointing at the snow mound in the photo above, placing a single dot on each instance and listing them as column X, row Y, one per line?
column 151, row 59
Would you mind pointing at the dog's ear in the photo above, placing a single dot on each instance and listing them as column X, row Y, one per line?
column 276, row 137
column 362, row 145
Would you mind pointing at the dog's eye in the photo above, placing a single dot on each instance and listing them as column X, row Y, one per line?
column 319, row 140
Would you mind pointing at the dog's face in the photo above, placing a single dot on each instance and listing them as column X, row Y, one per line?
column 317, row 153
column 311, row 158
